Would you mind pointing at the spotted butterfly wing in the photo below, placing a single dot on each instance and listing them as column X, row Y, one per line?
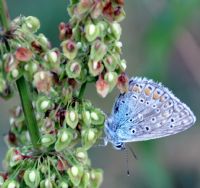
column 147, row 111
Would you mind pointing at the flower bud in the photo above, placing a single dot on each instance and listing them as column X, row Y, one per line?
column 65, row 137
column 89, row 137
column 43, row 104
column 31, row 23
column 83, row 6
column 97, row 117
column 122, row 65
column 95, row 67
column 98, row 50
column 72, row 118
column 43, row 81
column 23, row 54
column 111, row 62
column 116, row 30
column 47, row 183
column 69, row 49
column 111, row 78
column 67, row 94
column 32, row 177
column 43, row 41
column 73, row 69
column 91, row 31
column 10, row 184
column 47, row 140
column 62, row 165
column 86, row 117
column 63, row 184
column 102, row 87
column 3, row 85
column 119, row 14
column 75, row 174
column 65, row 30
column 85, row 182
column 10, row 62
column 97, row 10
column 122, row 83
column 51, row 57
column 13, row 157
column 81, row 155
column 96, row 176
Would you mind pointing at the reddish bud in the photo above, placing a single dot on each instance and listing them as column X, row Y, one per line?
column 65, row 30
column 108, row 10
column 23, row 54
column 122, row 83
column 121, row 2
column 102, row 87
column 61, row 165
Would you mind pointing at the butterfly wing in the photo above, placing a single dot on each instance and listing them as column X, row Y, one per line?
column 148, row 111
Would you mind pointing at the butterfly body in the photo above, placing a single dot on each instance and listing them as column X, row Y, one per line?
column 147, row 111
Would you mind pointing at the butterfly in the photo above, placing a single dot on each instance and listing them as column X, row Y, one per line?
column 148, row 110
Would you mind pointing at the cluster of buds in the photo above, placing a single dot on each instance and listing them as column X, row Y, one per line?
column 48, row 171
column 91, row 43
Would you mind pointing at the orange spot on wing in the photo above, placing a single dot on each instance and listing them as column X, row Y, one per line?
column 147, row 91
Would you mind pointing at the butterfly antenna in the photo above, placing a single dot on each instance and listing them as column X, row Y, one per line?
column 127, row 162
column 132, row 152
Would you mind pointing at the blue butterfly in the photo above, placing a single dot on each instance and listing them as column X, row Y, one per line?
column 147, row 111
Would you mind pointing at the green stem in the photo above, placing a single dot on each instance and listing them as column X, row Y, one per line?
column 23, row 88
column 24, row 92
column 4, row 16
column 82, row 90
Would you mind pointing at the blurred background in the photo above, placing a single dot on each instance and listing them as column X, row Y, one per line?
column 161, row 40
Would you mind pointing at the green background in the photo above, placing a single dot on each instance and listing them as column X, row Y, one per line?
column 161, row 40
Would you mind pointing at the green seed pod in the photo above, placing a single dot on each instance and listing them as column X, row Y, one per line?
column 31, row 24
column 98, row 50
column 81, row 156
column 111, row 78
column 67, row 93
column 73, row 69
column 65, row 137
column 69, row 48
column 97, row 116
column 122, row 65
column 32, row 177
column 47, row 140
column 89, row 137
column 72, row 118
column 51, row 57
column 44, row 42
column 3, row 84
column 47, row 183
column 63, row 184
column 111, row 62
column 1, row 180
column 10, row 184
column 85, row 181
column 31, row 67
column 75, row 174
column 92, row 31
column 102, row 27
column 43, row 104
column 86, row 117
column 116, row 30
column 14, row 74
column 96, row 177
column 95, row 67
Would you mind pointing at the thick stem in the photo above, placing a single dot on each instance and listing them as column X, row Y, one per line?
column 4, row 16
column 24, row 92
column 82, row 90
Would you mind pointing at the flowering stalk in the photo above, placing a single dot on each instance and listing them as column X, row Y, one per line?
column 66, row 124
column 22, row 88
